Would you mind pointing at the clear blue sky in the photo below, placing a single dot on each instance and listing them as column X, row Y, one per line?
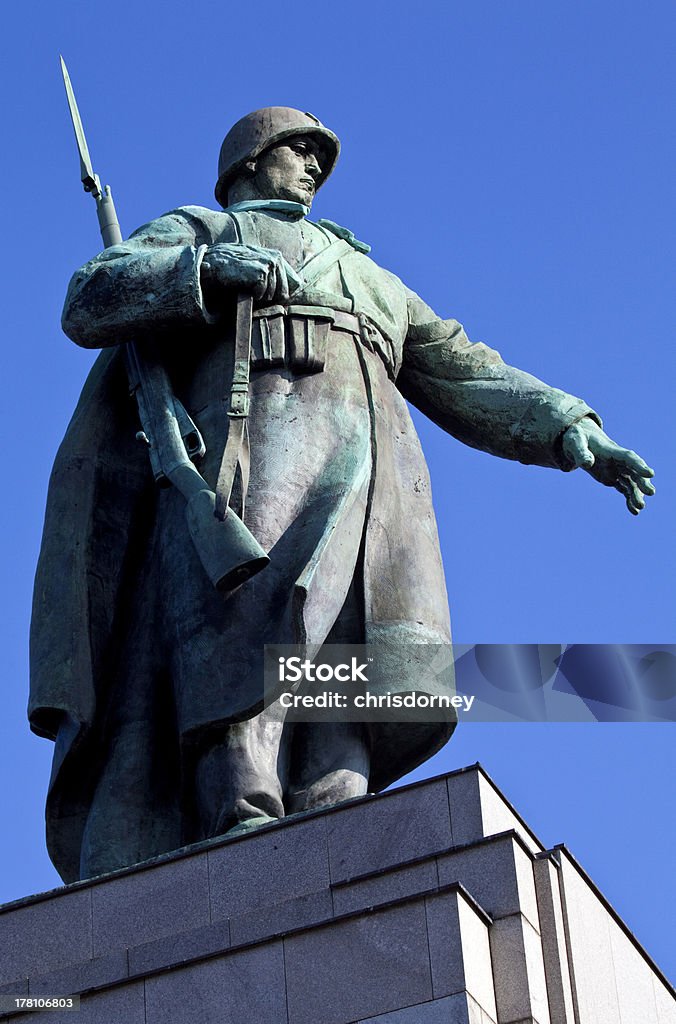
column 512, row 162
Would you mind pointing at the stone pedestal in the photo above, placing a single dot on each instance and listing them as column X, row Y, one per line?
column 431, row 904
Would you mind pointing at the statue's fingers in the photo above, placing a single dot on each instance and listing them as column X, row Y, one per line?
column 634, row 498
column 635, row 464
column 645, row 485
column 271, row 280
column 282, row 293
column 576, row 449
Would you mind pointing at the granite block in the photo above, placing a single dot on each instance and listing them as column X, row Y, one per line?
column 261, row 870
column 122, row 1005
column 243, row 987
column 19, row 987
column 161, row 900
column 518, row 971
column 460, row 956
column 478, row 810
column 458, row 1009
column 264, row 922
column 633, row 978
column 554, row 947
column 447, row 962
column 496, row 873
column 587, row 931
column 101, row 971
column 45, row 935
column 377, row 834
column 665, row 1002
column 359, row 967
column 382, row 888
column 475, row 937
column 180, row 948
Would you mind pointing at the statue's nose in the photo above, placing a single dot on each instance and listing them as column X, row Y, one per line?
column 312, row 165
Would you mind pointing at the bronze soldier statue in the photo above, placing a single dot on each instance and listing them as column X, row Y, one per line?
column 149, row 677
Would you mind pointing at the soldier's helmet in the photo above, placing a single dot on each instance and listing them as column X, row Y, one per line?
column 256, row 132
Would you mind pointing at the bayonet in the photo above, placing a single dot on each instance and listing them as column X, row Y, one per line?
column 89, row 179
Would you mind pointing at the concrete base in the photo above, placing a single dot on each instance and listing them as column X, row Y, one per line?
column 431, row 904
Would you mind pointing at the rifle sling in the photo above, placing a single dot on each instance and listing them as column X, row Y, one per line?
column 236, row 449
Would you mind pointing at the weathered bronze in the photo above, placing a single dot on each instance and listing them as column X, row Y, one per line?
column 150, row 679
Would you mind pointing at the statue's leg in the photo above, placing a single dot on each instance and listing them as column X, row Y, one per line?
column 329, row 763
column 239, row 778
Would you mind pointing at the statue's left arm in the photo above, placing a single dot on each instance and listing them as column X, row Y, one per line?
column 470, row 392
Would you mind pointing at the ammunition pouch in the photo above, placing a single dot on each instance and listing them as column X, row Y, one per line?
column 297, row 337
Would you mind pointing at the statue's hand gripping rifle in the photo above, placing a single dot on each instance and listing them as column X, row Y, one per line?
column 228, row 551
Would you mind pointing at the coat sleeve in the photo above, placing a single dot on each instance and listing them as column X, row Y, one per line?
column 149, row 283
column 471, row 393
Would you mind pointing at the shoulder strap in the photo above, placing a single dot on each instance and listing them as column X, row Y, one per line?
column 323, row 260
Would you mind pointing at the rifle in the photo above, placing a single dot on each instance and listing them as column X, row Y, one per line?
column 228, row 551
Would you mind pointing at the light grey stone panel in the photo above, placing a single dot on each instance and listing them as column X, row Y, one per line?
column 102, row 971
column 265, row 922
column 45, row 935
column 275, row 866
column 633, row 978
column 554, row 947
column 358, row 968
column 479, row 810
column 242, row 988
column 399, row 826
column 145, row 905
column 498, row 816
column 475, row 939
column 664, row 1002
column 498, row 874
column 179, row 948
column 391, row 885
column 591, row 959
column 518, row 971
column 122, row 1005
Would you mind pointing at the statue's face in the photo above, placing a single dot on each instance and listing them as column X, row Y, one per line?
column 289, row 170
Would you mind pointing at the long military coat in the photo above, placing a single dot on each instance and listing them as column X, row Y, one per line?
column 339, row 494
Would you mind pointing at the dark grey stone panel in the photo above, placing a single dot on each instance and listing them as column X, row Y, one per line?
column 179, row 948
column 378, row 834
column 45, row 935
column 359, row 967
column 488, row 872
column 457, row 1009
column 392, row 885
column 162, row 900
column 243, row 988
column 265, row 869
column 301, row 912
column 15, row 988
column 445, row 942
column 103, row 970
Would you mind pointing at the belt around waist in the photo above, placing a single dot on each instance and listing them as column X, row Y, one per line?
column 296, row 336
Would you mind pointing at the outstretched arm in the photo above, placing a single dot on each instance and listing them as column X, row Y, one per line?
column 469, row 391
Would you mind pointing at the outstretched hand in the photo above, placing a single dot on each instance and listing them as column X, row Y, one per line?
column 588, row 447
